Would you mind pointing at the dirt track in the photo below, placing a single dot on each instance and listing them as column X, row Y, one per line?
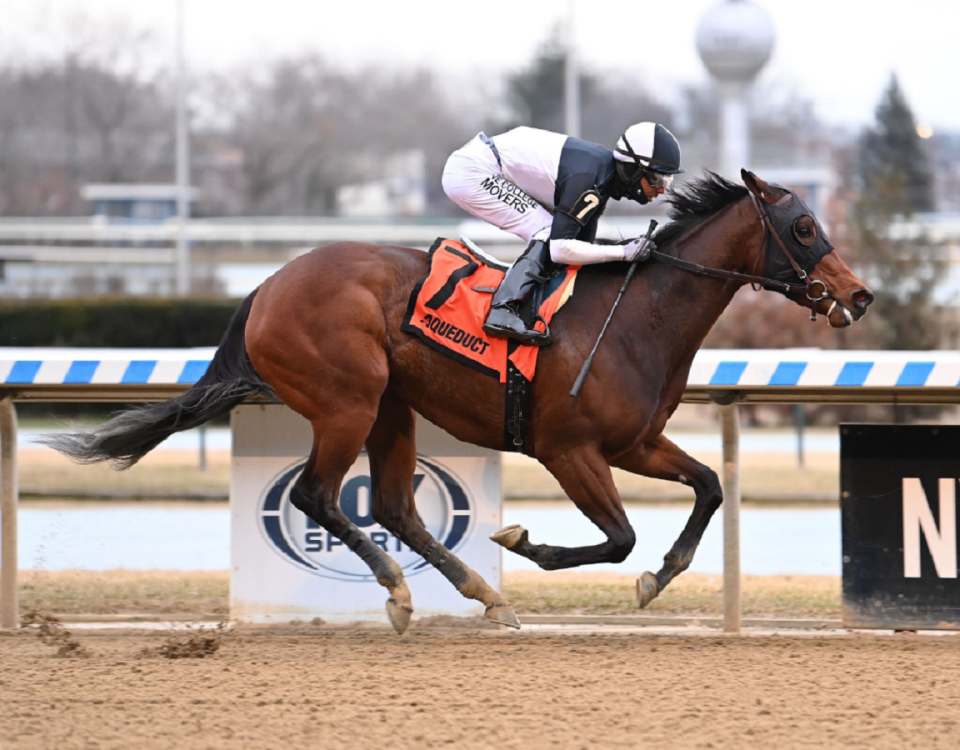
column 317, row 687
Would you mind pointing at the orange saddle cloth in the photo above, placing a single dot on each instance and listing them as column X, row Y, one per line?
column 448, row 307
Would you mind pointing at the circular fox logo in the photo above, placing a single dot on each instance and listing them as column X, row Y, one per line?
column 444, row 506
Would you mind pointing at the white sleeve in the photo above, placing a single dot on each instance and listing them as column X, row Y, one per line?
column 578, row 252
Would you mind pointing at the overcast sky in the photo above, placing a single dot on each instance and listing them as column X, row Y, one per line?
column 838, row 53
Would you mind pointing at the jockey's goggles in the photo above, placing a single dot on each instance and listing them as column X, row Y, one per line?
column 658, row 180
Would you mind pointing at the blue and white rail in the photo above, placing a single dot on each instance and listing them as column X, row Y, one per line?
column 812, row 368
column 95, row 374
column 817, row 376
column 749, row 376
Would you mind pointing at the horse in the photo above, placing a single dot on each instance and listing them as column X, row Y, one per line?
column 323, row 335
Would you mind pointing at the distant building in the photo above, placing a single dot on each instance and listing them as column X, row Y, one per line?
column 135, row 203
column 399, row 188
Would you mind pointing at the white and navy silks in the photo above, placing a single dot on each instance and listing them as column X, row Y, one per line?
column 538, row 185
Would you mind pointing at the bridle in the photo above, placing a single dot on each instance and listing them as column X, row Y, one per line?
column 808, row 286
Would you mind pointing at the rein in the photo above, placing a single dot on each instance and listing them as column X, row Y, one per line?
column 719, row 273
column 756, row 281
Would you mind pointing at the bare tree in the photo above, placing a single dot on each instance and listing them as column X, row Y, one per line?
column 91, row 110
column 306, row 128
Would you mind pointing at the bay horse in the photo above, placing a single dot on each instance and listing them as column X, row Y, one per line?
column 323, row 335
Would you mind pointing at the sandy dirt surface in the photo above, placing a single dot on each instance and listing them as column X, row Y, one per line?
column 311, row 686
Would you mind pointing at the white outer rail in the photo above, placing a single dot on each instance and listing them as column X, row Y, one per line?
column 724, row 377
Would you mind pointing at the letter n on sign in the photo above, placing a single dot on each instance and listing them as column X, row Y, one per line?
column 898, row 510
column 918, row 521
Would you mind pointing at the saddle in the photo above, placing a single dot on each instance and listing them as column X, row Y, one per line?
column 447, row 309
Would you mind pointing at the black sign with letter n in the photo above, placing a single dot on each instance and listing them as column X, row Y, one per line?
column 899, row 489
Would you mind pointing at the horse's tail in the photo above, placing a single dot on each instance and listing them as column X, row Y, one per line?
column 133, row 433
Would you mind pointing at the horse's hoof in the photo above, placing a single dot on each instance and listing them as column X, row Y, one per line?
column 647, row 589
column 510, row 536
column 399, row 615
column 502, row 614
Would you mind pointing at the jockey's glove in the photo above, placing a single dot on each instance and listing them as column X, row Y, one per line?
column 638, row 250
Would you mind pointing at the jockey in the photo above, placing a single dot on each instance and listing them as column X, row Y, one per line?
column 550, row 190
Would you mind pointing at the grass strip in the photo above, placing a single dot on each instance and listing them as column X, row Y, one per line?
column 689, row 594
column 206, row 594
column 165, row 473
column 152, row 592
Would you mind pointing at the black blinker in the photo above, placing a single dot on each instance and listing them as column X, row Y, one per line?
column 783, row 216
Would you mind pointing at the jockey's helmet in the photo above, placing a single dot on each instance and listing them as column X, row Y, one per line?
column 651, row 147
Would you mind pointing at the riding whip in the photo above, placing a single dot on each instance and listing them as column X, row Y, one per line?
column 586, row 365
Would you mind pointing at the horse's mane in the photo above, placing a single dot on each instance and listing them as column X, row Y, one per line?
column 695, row 201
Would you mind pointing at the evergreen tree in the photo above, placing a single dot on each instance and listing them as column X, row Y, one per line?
column 608, row 105
column 894, row 168
column 903, row 269
column 536, row 94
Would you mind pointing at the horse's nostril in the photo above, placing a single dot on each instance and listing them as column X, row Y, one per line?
column 862, row 297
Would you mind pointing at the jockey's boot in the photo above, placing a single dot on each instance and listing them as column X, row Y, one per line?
column 521, row 279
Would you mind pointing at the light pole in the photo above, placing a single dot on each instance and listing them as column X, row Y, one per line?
column 571, row 74
column 182, row 164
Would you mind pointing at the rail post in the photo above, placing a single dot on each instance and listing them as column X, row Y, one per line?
column 9, row 595
column 730, row 426
column 730, row 416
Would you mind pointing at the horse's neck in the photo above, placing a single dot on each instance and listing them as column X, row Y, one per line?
column 728, row 240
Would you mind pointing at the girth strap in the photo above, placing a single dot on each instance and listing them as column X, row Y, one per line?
column 517, row 418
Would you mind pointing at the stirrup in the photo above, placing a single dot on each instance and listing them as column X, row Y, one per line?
column 529, row 337
column 517, row 332
column 546, row 327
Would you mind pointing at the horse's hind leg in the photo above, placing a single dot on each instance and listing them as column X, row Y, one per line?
column 317, row 339
column 391, row 446
column 337, row 443
column 662, row 459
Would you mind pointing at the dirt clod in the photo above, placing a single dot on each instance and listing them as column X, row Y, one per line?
column 52, row 633
column 197, row 645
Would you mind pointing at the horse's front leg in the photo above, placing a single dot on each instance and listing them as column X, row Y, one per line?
column 585, row 476
column 661, row 459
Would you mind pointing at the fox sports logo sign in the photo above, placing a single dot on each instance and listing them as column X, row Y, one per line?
column 444, row 505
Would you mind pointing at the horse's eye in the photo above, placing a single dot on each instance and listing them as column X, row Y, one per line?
column 805, row 230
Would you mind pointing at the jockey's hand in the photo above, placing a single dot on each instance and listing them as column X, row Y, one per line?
column 638, row 250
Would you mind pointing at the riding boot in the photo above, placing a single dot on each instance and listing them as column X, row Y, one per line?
column 521, row 279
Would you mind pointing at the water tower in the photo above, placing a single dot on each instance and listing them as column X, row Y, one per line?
column 734, row 39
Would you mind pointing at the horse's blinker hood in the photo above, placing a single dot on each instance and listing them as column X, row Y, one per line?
column 783, row 216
